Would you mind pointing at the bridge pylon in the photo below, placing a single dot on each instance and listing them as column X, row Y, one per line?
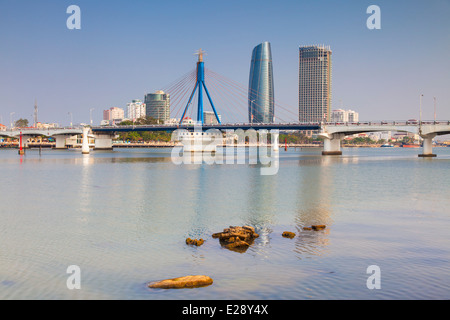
column 200, row 85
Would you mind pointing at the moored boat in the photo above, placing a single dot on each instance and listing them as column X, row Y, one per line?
column 410, row 145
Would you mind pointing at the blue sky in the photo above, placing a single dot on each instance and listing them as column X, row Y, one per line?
column 126, row 49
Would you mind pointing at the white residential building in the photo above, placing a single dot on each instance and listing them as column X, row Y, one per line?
column 353, row 116
column 135, row 110
column 341, row 115
column 386, row 135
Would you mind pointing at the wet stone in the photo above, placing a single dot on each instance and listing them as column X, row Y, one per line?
column 236, row 238
column 182, row 282
column 194, row 242
column 288, row 234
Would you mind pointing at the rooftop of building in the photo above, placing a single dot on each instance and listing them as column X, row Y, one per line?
column 316, row 46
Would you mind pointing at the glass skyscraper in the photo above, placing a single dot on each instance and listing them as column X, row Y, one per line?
column 261, row 90
column 314, row 84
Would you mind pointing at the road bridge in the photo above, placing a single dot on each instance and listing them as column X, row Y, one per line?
column 333, row 133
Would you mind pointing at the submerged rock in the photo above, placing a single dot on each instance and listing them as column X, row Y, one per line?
column 182, row 282
column 236, row 238
column 195, row 242
column 315, row 227
column 234, row 243
column 288, row 234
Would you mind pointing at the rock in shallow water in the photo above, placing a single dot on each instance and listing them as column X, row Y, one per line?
column 182, row 282
column 236, row 238
column 288, row 234
column 234, row 243
column 195, row 242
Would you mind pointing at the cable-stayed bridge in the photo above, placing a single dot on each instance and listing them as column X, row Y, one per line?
column 230, row 100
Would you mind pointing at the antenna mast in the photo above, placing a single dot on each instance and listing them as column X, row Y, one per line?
column 35, row 113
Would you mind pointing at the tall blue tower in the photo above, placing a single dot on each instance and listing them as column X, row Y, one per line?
column 200, row 85
column 261, row 98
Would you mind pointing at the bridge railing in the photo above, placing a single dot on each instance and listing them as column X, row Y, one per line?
column 244, row 124
column 387, row 123
column 43, row 129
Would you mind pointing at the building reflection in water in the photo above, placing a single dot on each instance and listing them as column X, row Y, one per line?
column 85, row 194
column 84, row 197
column 198, row 190
column 314, row 205
column 261, row 207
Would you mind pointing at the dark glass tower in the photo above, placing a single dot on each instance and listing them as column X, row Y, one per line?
column 260, row 89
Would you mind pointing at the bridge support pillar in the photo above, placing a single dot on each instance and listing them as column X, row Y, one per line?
column 103, row 142
column 85, row 143
column 332, row 144
column 60, row 142
column 428, row 146
column 274, row 140
column 25, row 141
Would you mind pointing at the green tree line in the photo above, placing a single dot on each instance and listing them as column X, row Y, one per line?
column 144, row 136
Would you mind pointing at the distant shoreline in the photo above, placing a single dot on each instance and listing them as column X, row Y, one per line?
column 49, row 145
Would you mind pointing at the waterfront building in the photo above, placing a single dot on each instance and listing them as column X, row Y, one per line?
column 210, row 118
column 135, row 110
column 173, row 121
column 314, row 83
column 353, row 116
column 158, row 106
column 399, row 135
column 40, row 125
column 106, row 114
column 114, row 114
column 188, row 121
column 2, row 127
column 386, row 135
column 375, row 136
column 261, row 99
column 341, row 115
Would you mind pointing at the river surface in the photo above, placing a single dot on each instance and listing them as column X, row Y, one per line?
column 123, row 217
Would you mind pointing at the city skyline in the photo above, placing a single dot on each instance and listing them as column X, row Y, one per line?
column 381, row 73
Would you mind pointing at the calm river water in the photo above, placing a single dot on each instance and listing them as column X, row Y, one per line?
column 123, row 218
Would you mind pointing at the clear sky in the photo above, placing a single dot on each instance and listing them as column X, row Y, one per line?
column 126, row 49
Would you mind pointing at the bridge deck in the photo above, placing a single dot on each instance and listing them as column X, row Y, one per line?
column 234, row 126
column 438, row 127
